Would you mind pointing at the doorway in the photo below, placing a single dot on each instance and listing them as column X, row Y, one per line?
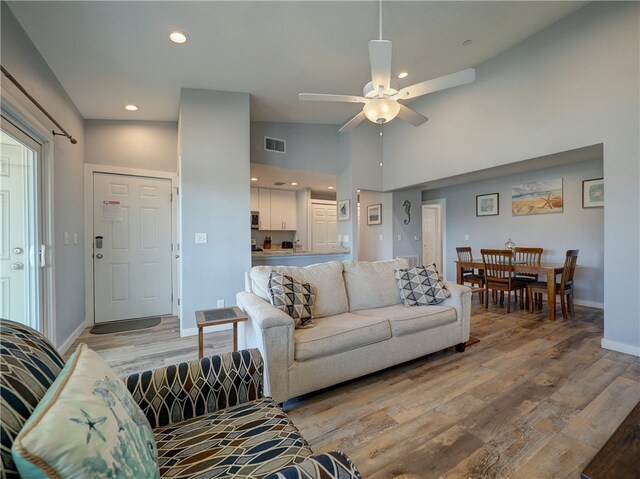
column 131, row 246
column 433, row 234
column 21, row 232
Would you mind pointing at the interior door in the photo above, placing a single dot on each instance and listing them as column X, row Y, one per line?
column 430, row 234
column 324, row 233
column 132, row 247
column 20, row 285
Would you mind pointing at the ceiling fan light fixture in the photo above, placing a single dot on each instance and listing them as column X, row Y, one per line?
column 381, row 110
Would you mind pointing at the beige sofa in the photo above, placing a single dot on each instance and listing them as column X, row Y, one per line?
column 361, row 325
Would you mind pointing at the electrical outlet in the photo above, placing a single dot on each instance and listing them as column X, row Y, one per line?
column 346, row 238
column 339, row 238
column 399, row 237
column 201, row 238
column 220, row 303
column 416, row 238
column 466, row 237
column 66, row 237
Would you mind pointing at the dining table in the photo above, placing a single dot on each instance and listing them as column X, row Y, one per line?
column 547, row 270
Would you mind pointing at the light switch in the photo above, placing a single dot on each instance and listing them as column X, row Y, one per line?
column 380, row 238
column 75, row 238
column 339, row 238
column 466, row 237
column 66, row 237
column 399, row 237
column 201, row 238
column 346, row 238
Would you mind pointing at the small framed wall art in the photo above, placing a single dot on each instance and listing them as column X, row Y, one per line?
column 593, row 193
column 344, row 210
column 374, row 214
column 488, row 205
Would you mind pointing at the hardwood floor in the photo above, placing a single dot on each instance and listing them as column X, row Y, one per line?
column 533, row 399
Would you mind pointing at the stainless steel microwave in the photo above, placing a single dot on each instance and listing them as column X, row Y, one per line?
column 255, row 220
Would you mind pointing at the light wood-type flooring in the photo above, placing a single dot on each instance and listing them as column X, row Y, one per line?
column 533, row 399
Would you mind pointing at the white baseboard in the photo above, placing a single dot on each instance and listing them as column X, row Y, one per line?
column 62, row 349
column 588, row 304
column 184, row 332
column 632, row 349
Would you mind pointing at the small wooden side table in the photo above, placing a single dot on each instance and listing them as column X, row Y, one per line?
column 216, row 317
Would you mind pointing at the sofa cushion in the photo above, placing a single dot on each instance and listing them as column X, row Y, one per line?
column 29, row 365
column 105, row 432
column 421, row 286
column 372, row 284
column 253, row 439
column 405, row 320
column 326, row 278
column 293, row 297
column 342, row 332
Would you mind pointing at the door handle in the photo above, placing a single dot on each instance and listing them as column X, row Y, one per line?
column 99, row 256
column 177, row 256
column 17, row 266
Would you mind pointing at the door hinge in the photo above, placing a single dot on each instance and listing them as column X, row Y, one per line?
column 171, row 246
column 178, row 301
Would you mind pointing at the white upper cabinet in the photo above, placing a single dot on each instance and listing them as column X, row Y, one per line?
column 278, row 209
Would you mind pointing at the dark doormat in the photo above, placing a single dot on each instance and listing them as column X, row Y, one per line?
column 125, row 325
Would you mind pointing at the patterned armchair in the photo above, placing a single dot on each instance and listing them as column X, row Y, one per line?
column 209, row 417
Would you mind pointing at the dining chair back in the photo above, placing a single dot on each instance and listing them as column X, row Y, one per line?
column 498, row 274
column 470, row 275
column 565, row 288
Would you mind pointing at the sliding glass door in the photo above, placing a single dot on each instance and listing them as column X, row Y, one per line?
column 20, row 250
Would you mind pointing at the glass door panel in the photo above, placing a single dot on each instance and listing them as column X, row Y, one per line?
column 19, row 235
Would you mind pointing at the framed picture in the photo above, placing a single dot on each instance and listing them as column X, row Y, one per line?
column 344, row 210
column 488, row 205
column 374, row 214
column 537, row 197
column 593, row 193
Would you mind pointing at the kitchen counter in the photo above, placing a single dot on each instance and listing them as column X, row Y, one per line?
column 276, row 257
column 275, row 253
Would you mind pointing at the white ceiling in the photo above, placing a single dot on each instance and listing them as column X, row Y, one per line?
column 107, row 54
column 268, row 176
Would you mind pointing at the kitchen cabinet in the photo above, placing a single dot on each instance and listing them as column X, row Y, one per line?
column 278, row 209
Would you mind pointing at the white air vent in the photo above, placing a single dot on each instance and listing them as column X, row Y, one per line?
column 274, row 144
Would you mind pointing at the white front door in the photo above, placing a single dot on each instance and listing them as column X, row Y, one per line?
column 20, row 291
column 131, row 247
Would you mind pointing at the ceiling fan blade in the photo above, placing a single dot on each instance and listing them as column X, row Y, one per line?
column 437, row 84
column 380, row 56
column 355, row 121
column 327, row 97
column 411, row 116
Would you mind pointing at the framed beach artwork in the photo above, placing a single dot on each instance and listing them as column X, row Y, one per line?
column 374, row 214
column 488, row 205
column 344, row 210
column 593, row 193
column 538, row 197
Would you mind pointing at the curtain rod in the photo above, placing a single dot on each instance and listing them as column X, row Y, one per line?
column 35, row 102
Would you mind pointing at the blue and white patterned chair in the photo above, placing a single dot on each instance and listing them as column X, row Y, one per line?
column 209, row 417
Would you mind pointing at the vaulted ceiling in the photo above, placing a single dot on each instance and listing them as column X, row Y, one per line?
column 108, row 54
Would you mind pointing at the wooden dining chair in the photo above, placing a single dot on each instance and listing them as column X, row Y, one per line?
column 529, row 256
column 564, row 288
column 499, row 275
column 471, row 276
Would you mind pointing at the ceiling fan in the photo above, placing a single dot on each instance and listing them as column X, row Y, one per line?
column 381, row 102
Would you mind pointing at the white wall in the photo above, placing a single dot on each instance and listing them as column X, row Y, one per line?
column 574, row 228
column 214, row 198
column 149, row 145
column 573, row 84
column 23, row 61
column 375, row 240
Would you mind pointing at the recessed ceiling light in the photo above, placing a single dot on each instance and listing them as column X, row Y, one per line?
column 329, row 187
column 294, row 184
column 358, row 191
column 178, row 37
column 254, row 179
column 131, row 107
column 466, row 42
column 403, row 75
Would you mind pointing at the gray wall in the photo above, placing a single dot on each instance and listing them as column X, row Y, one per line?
column 573, row 84
column 214, row 199
column 372, row 248
column 407, row 245
column 310, row 147
column 22, row 60
column 574, row 228
column 149, row 145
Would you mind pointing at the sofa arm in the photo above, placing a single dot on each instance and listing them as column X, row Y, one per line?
column 460, row 300
column 186, row 390
column 329, row 465
column 272, row 332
